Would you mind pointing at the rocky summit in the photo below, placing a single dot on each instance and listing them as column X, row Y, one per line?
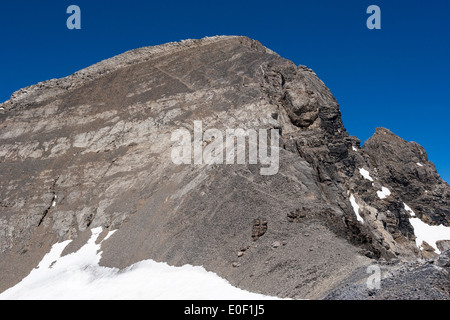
column 95, row 149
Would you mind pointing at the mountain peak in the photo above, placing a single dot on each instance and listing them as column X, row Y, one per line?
column 95, row 149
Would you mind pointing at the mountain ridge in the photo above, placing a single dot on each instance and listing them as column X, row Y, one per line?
column 93, row 149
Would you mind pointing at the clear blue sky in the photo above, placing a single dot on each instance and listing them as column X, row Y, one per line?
column 397, row 77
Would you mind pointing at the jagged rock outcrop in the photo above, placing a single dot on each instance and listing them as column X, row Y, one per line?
column 404, row 166
column 94, row 149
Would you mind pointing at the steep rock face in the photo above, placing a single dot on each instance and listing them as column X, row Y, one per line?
column 94, row 149
column 405, row 167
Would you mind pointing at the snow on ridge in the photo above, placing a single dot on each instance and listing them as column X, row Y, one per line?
column 78, row 276
column 383, row 193
column 425, row 232
column 365, row 174
column 356, row 208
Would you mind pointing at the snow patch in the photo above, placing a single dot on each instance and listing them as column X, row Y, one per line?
column 365, row 174
column 109, row 235
column 419, row 164
column 408, row 209
column 383, row 193
column 54, row 201
column 427, row 233
column 356, row 208
column 78, row 276
column 354, row 149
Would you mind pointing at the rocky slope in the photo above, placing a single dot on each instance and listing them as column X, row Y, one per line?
column 418, row 280
column 94, row 149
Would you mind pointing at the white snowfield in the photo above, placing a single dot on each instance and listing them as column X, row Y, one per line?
column 78, row 276
column 427, row 233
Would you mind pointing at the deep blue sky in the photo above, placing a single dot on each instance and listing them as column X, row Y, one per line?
column 397, row 77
